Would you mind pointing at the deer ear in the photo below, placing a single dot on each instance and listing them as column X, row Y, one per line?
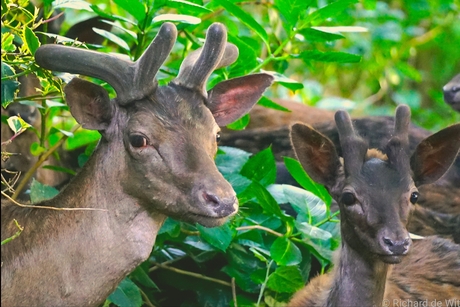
column 316, row 153
column 231, row 99
column 89, row 104
column 435, row 154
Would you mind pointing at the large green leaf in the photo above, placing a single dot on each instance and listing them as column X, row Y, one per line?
column 315, row 35
column 230, row 160
column 285, row 252
column 31, row 39
column 40, row 192
column 188, row 7
column 261, row 168
column 219, row 237
column 133, row 7
column 113, row 38
column 240, row 123
column 329, row 56
column 321, row 15
column 292, row 10
column 296, row 170
column 268, row 103
column 285, row 279
column 127, row 294
column 245, row 18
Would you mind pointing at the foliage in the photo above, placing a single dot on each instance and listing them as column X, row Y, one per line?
column 369, row 55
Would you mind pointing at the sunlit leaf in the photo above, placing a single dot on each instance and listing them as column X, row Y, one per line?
column 40, row 192
column 187, row 19
column 219, row 237
column 240, row 123
column 329, row 56
column 31, row 39
column 133, row 7
column 285, row 252
column 113, row 38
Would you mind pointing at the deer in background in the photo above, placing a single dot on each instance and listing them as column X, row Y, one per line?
column 154, row 159
column 376, row 192
column 452, row 93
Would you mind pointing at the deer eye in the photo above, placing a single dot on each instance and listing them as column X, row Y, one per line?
column 218, row 137
column 414, row 197
column 348, row 199
column 137, row 141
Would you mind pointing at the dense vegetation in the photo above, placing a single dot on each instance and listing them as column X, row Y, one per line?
column 364, row 56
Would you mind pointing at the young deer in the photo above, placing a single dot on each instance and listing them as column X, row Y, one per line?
column 376, row 192
column 155, row 159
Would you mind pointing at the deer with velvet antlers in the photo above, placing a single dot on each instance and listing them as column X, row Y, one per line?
column 376, row 192
column 154, row 159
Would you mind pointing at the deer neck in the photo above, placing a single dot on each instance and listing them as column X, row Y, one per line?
column 359, row 279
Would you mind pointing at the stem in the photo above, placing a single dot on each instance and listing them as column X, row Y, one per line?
column 262, row 289
column 327, row 219
column 235, row 302
column 40, row 161
column 146, row 299
column 261, row 228
column 15, row 235
column 183, row 272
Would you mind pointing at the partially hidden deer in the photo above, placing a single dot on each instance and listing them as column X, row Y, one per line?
column 376, row 191
column 155, row 159
column 451, row 93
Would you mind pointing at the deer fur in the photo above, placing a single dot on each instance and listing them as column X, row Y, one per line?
column 376, row 193
column 155, row 159
column 451, row 93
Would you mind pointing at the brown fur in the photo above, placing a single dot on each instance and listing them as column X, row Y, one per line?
column 433, row 262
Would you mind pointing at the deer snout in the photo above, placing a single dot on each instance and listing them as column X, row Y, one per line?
column 397, row 247
column 222, row 206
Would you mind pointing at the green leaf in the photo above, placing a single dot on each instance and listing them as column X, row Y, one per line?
column 8, row 42
column 187, row 19
column 113, row 38
column 315, row 35
column 298, row 173
column 266, row 200
column 17, row 124
column 60, row 169
column 245, row 18
column 319, row 16
column 330, row 56
column 40, row 192
column 240, row 123
column 133, row 7
column 291, row 84
column 31, row 39
column 36, row 149
column 312, row 232
column 285, row 252
column 127, row 294
column 82, row 138
column 72, row 4
column 261, row 167
column 9, row 86
column 170, row 226
column 232, row 160
column 219, row 237
column 264, row 101
column 285, row 279
column 291, row 10
column 188, row 7
column 140, row 275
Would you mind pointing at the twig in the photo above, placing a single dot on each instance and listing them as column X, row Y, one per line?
column 51, row 208
column 183, row 272
column 146, row 299
column 261, row 228
column 235, row 303
column 40, row 161
column 15, row 235
column 328, row 219
column 166, row 263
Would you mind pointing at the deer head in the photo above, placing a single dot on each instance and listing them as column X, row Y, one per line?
column 162, row 140
column 376, row 191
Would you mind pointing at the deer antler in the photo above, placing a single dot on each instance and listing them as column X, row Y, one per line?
column 199, row 64
column 131, row 81
column 354, row 148
column 397, row 148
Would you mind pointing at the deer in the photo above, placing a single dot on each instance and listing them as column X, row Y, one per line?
column 451, row 93
column 376, row 191
column 155, row 159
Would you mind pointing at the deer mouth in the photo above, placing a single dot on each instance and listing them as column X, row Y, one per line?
column 391, row 259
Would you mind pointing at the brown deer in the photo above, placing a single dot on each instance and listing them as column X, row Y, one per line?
column 376, row 192
column 452, row 93
column 155, row 159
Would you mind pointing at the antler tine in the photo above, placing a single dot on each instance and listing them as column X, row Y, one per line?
column 149, row 63
column 354, row 148
column 131, row 81
column 398, row 146
column 111, row 69
column 198, row 66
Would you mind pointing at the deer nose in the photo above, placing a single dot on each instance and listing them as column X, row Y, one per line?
column 221, row 206
column 397, row 247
